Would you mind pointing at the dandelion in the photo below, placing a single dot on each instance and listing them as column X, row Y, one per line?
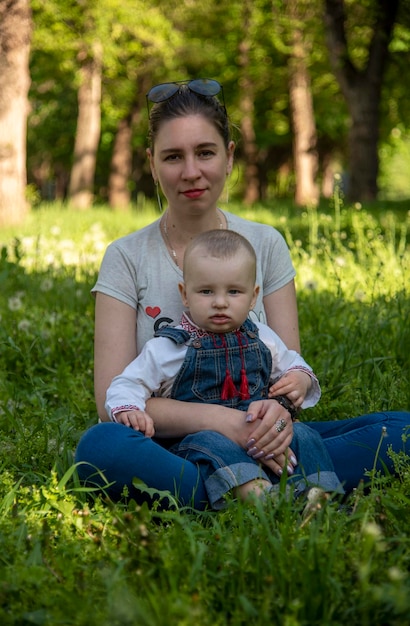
column 15, row 303
column 311, row 285
column 49, row 258
column 28, row 243
column 69, row 258
column 100, row 246
column 24, row 325
column 359, row 295
column 395, row 574
column 55, row 231
column 68, row 244
column 52, row 317
column 11, row 405
column 46, row 285
column 340, row 261
column 372, row 529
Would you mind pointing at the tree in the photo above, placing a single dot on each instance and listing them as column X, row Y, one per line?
column 305, row 154
column 15, row 34
column 247, row 106
column 360, row 76
column 81, row 188
column 139, row 58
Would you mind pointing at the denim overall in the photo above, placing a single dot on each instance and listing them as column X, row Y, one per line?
column 224, row 464
column 208, row 358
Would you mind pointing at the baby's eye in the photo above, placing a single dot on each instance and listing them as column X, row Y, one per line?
column 206, row 292
column 234, row 292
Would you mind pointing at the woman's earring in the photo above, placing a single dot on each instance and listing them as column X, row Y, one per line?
column 159, row 200
column 227, row 189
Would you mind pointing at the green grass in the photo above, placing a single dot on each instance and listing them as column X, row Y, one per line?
column 68, row 558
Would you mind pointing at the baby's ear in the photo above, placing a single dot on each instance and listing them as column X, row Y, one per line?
column 182, row 291
column 255, row 296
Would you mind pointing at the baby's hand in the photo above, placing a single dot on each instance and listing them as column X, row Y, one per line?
column 138, row 420
column 294, row 385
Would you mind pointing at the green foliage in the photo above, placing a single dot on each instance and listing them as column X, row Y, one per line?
column 147, row 43
column 68, row 556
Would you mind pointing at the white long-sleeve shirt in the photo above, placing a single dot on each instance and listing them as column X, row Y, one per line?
column 154, row 370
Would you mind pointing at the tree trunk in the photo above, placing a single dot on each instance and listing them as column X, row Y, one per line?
column 120, row 179
column 15, row 34
column 81, row 188
column 305, row 153
column 119, row 193
column 250, row 148
column 362, row 91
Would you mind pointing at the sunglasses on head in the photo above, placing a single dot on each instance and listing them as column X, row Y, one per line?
column 200, row 86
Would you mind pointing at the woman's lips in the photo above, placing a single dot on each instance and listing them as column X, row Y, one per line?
column 193, row 193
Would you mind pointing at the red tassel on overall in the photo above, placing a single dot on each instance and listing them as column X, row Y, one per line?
column 244, row 388
column 228, row 388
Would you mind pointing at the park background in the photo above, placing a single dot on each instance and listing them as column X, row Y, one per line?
column 313, row 88
column 317, row 94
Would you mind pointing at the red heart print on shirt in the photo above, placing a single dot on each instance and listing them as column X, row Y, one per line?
column 153, row 311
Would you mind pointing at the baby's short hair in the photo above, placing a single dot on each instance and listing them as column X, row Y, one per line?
column 222, row 244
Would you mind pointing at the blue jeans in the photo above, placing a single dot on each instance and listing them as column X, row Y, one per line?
column 121, row 454
column 224, row 465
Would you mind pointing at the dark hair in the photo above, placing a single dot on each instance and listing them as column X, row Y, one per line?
column 186, row 102
column 222, row 244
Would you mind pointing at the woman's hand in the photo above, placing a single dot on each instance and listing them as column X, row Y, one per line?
column 174, row 418
column 269, row 441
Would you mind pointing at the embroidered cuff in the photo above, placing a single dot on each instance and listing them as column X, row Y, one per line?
column 120, row 409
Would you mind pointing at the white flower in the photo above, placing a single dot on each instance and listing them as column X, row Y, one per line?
column 46, row 285
column 372, row 529
column 359, row 295
column 49, row 258
column 24, row 325
column 395, row 574
column 311, row 285
column 15, row 303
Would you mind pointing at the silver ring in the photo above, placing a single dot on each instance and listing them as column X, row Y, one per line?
column 280, row 425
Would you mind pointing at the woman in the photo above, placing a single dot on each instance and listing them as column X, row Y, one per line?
column 191, row 155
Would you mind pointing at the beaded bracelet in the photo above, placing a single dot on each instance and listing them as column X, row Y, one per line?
column 287, row 404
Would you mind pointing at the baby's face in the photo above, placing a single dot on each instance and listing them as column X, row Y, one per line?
column 219, row 293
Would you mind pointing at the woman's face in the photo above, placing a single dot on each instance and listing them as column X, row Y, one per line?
column 191, row 163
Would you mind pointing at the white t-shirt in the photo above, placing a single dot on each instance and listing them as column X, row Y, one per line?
column 138, row 270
